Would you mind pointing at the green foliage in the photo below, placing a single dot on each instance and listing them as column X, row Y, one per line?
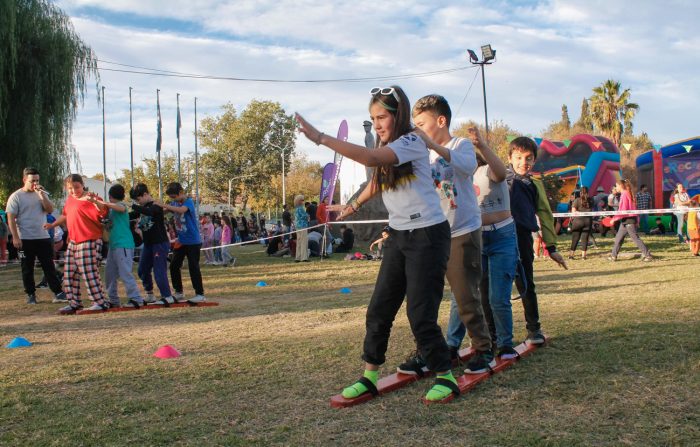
column 497, row 138
column 559, row 130
column 584, row 123
column 553, row 184
column 246, row 148
column 147, row 172
column 611, row 111
column 44, row 67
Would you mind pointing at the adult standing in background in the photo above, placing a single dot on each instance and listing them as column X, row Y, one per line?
column 26, row 214
column 301, row 221
column 680, row 200
column 643, row 203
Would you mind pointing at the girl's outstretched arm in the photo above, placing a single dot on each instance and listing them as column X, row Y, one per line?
column 376, row 157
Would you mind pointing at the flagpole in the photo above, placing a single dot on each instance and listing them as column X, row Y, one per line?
column 179, row 172
column 131, row 138
column 158, row 144
column 196, row 159
column 104, row 146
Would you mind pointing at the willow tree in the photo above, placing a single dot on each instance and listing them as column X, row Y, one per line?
column 44, row 69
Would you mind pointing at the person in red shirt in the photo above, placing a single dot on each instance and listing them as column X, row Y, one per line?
column 83, row 213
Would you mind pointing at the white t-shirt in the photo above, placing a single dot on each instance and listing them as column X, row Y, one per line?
column 414, row 203
column 493, row 196
column 453, row 182
column 29, row 213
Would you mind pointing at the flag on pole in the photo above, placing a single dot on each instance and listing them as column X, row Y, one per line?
column 159, row 140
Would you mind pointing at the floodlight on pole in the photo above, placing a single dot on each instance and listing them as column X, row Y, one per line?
column 488, row 56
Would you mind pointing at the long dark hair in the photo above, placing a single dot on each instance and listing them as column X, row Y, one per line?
column 390, row 176
column 584, row 195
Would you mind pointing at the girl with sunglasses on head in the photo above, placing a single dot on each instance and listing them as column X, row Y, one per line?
column 417, row 250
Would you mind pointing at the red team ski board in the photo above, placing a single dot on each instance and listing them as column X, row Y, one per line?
column 465, row 382
column 149, row 306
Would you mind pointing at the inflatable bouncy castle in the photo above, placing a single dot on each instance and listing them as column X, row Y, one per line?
column 585, row 160
column 674, row 163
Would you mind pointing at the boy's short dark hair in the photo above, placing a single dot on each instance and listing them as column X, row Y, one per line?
column 117, row 192
column 138, row 190
column 174, row 189
column 30, row 171
column 658, row 219
column 523, row 144
column 436, row 104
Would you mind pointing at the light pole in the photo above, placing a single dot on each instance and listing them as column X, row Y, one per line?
column 488, row 56
column 284, row 190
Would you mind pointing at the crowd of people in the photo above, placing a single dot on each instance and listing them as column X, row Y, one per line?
column 90, row 229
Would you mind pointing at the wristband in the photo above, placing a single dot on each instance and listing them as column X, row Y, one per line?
column 318, row 142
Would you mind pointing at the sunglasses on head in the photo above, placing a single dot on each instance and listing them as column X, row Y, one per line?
column 386, row 91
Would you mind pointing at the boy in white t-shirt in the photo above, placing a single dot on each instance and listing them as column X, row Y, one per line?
column 453, row 176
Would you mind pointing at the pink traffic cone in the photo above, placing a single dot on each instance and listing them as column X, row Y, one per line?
column 167, row 352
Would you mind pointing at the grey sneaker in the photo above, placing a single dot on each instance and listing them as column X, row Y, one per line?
column 165, row 301
column 135, row 302
column 60, row 298
column 482, row 362
column 96, row 306
column 648, row 258
column 197, row 299
column 115, row 304
column 150, row 298
column 31, row 299
column 535, row 338
column 179, row 296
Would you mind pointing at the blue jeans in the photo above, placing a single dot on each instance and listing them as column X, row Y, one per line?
column 155, row 258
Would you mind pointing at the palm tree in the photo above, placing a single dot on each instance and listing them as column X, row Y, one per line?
column 611, row 111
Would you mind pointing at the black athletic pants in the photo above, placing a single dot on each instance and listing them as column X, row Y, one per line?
column 581, row 229
column 192, row 253
column 41, row 249
column 529, row 299
column 413, row 266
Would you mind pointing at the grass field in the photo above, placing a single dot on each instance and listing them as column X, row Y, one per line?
column 622, row 367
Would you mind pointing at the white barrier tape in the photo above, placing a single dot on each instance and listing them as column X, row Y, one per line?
column 626, row 212
column 337, row 222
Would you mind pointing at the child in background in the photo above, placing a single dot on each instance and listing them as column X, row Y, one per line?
column 120, row 257
column 528, row 201
column 156, row 245
column 218, row 260
column 693, row 230
column 379, row 243
column 659, row 229
column 226, row 237
column 189, row 242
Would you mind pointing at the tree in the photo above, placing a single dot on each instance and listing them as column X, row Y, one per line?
column 497, row 138
column 147, row 173
column 611, row 111
column 303, row 177
column 44, row 68
column 245, row 149
column 584, row 123
column 638, row 145
column 559, row 130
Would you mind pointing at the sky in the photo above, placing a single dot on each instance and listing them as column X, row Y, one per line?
column 549, row 53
